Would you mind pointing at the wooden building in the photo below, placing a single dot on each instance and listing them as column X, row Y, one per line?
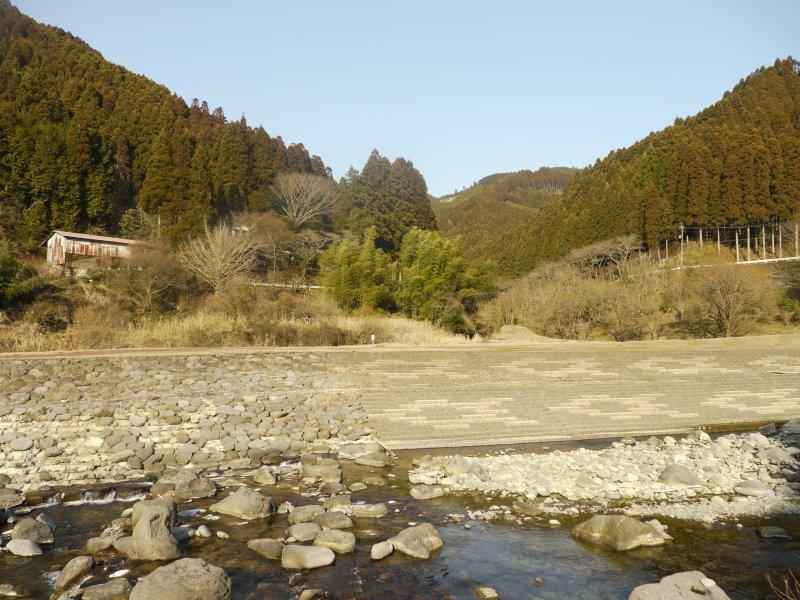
column 65, row 247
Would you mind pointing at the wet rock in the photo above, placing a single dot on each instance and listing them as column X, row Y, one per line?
column 9, row 498
column 184, row 579
column 23, row 547
column 33, row 530
column 751, row 487
column 294, row 556
column 264, row 476
column 334, row 520
column 770, row 531
column 381, row 550
column 311, row 594
column 98, row 544
column 304, row 532
column 687, row 585
column 73, row 572
column 114, row 589
column 368, row 511
column 266, row 547
column 341, row 542
column 526, row 508
column 203, row 531
column 426, row 492
column 418, row 541
column 245, row 503
column 373, row 459
column 619, row 532
column 152, row 537
column 486, row 593
column 47, row 520
column 305, row 514
column 183, row 486
column 326, row 469
column 678, row 475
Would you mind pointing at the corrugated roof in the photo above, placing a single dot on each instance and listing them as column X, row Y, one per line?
column 97, row 238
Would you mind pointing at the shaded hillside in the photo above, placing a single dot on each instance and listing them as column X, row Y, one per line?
column 735, row 162
column 484, row 214
column 82, row 139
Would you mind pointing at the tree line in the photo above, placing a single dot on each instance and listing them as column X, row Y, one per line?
column 83, row 140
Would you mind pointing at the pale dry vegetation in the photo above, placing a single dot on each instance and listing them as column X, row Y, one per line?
column 611, row 290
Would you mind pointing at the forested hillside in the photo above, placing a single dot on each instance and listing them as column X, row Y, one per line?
column 81, row 140
column 735, row 162
column 483, row 215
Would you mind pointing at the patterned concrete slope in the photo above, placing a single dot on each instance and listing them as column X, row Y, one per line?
column 494, row 394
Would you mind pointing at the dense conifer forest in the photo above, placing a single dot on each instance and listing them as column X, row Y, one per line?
column 82, row 140
column 735, row 162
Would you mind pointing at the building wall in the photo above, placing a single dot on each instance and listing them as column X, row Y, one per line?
column 59, row 247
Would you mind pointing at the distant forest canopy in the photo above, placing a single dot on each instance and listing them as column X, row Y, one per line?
column 82, row 140
column 483, row 214
column 735, row 162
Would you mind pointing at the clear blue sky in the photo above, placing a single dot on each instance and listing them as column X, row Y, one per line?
column 462, row 88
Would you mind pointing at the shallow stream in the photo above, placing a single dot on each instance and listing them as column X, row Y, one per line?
column 504, row 555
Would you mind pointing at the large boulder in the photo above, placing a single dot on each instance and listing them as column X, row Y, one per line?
column 9, row 498
column 28, row 528
column 418, row 541
column 341, row 542
column 678, row 475
column 183, row 486
column 687, row 585
column 23, row 548
column 245, row 503
column 326, row 469
column 619, row 532
column 152, row 537
column 73, row 572
column 184, row 579
column 334, row 520
column 305, row 514
column 295, row 556
column 303, row 532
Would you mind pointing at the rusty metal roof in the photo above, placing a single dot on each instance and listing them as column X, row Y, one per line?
column 98, row 238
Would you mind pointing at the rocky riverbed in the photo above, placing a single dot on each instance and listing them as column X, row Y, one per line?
column 253, row 476
column 695, row 477
column 345, row 523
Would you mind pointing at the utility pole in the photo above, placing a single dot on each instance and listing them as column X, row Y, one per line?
column 736, row 233
column 682, row 242
column 748, row 242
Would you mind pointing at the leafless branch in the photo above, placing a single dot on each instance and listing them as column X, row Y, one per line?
column 219, row 255
column 304, row 197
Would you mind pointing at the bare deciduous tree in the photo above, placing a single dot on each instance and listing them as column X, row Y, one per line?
column 150, row 275
column 219, row 255
column 304, row 197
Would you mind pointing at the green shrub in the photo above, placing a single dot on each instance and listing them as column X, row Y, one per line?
column 19, row 283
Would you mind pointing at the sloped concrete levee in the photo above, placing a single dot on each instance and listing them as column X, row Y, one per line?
column 487, row 394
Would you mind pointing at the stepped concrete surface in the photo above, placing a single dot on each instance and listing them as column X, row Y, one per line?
column 572, row 390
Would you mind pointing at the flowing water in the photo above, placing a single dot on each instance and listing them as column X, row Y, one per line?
column 503, row 555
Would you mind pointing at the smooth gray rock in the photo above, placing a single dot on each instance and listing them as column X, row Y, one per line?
column 418, row 541
column 28, row 528
column 184, row 579
column 341, row 542
column 10, row 498
column 619, row 532
column 305, row 514
column 21, row 444
column 118, row 588
column 426, row 492
column 245, row 503
column 304, row 532
column 687, row 585
column 771, row 531
column 73, row 572
column 751, row 487
column 334, row 520
column 152, row 537
column 295, row 556
column 266, row 547
column 23, row 548
column 381, row 550
column 678, row 475
column 264, row 476
column 368, row 511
